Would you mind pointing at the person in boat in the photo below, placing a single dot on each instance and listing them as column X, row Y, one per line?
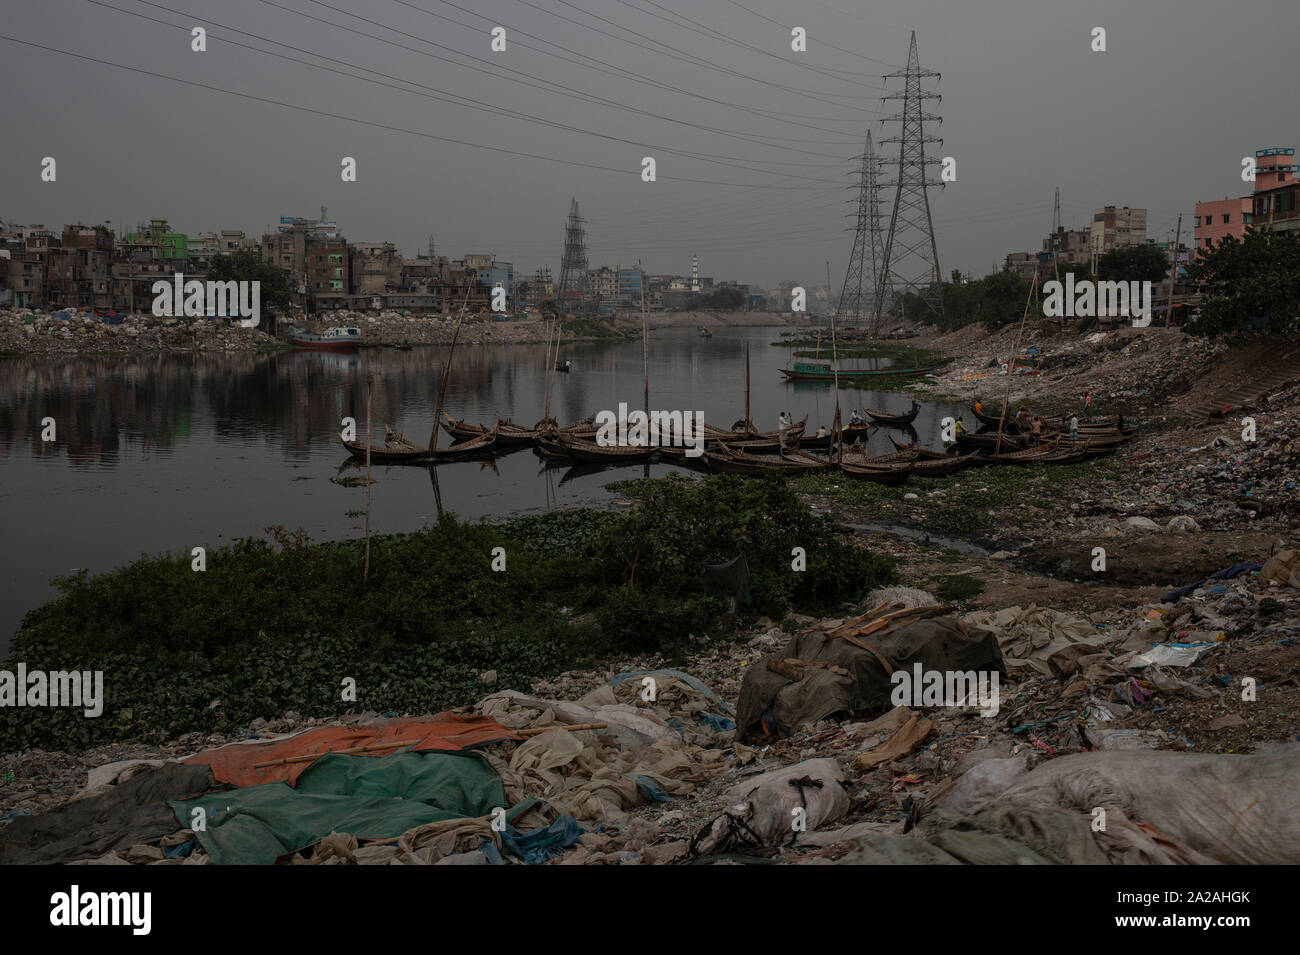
column 1022, row 418
column 854, row 420
column 1074, row 428
column 1037, row 430
column 959, row 430
column 979, row 407
column 821, row 431
column 567, row 364
column 783, row 423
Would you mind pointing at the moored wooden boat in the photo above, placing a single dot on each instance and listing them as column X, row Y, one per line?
column 889, row 474
column 894, row 420
column 989, row 442
column 944, row 465
column 814, row 371
column 395, row 450
column 589, row 452
column 480, row 446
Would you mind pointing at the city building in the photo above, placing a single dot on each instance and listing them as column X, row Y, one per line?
column 1276, row 201
column 156, row 240
column 1220, row 218
column 375, row 268
column 1115, row 226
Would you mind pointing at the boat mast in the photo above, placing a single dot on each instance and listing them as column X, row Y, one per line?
column 1011, row 361
column 446, row 371
column 748, row 423
column 645, row 355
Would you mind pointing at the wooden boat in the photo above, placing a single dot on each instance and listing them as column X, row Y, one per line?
column 509, row 434
column 821, row 371
column 1067, row 456
column 991, row 420
column 891, row 475
column 921, row 453
column 562, row 366
column 726, row 461
column 705, row 333
column 589, row 452
column 744, row 430
column 989, row 442
column 944, row 465
column 894, row 420
column 395, row 449
column 812, row 461
column 481, row 446
column 333, row 339
column 1026, row 456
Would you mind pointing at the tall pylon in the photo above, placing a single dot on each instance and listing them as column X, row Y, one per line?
column 1055, row 242
column 571, row 297
column 910, row 262
column 857, row 304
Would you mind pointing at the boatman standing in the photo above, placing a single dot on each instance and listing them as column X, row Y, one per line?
column 784, row 424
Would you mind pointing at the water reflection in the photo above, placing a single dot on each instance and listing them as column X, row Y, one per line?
column 168, row 452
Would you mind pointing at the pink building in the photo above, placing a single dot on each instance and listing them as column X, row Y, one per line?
column 1223, row 217
column 1271, row 206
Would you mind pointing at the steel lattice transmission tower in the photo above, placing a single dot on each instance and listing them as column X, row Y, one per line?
column 572, row 296
column 858, row 297
column 910, row 262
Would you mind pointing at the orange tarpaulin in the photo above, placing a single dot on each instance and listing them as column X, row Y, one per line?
column 236, row 762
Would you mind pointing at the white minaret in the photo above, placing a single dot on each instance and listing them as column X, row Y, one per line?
column 695, row 273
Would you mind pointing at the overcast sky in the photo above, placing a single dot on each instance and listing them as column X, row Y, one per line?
column 1159, row 120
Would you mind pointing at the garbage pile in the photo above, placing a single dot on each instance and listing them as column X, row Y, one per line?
column 1091, row 740
column 73, row 332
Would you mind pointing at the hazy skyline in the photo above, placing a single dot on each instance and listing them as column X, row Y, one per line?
column 754, row 151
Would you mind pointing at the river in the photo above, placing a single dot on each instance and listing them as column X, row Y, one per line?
column 167, row 453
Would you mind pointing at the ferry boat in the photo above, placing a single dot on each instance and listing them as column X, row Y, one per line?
column 332, row 339
column 821, row 371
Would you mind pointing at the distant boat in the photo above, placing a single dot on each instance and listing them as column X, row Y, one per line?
column 705, row 333
column 563, row 366
column 819, row 371
column 333, row 339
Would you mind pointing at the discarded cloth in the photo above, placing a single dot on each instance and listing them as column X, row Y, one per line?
column 367, row 797
column 117, row 817
column 236, row 763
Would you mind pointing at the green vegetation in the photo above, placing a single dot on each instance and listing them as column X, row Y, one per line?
column 966, row 499
column 248, row 266
column 957, row 587
column 1251, row 285
column 1133, row 263
column 277, row 625
column 728, row 298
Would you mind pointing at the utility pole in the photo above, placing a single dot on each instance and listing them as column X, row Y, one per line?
column 1173, row 268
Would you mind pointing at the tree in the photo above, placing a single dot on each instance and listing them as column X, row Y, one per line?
column 1133, row 263
column 245, row 265
column 1252, row 284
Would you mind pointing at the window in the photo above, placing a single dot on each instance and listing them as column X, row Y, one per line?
column 1227, row 217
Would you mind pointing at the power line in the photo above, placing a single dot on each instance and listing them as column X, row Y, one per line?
column 786, row 27
column 564, row 90
column 366, row 122
column 586, row 60
column 452, row 98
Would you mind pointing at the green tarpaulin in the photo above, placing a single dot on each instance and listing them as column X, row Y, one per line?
column 366, row 796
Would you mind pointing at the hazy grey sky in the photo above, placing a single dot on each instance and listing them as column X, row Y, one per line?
column 1160, row 120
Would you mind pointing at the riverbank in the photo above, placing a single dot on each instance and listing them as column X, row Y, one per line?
column 67, row 333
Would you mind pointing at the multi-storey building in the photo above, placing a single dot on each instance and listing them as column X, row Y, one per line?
column 1116, row 226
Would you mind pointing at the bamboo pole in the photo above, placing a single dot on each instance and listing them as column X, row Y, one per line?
column 365, row 573
column 835, row 371
column 572, row 728
column 446, row 373
column 1011, row 360
column 748, row 423
column 645, row 357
